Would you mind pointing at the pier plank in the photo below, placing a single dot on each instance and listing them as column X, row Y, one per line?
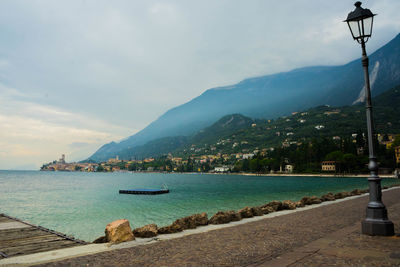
column 35, row 248
column 29, row 239
column 11, row 234
column 5, row 219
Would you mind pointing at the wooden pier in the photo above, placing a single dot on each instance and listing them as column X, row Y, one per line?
column 21, row 238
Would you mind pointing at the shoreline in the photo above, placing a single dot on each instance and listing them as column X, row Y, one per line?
column 322, row 175
column 391, row 176
column 197, row 236
column 225, row 217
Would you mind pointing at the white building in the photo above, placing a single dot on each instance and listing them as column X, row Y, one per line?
column 248, row 156
column 289, row 168
column 221, row 169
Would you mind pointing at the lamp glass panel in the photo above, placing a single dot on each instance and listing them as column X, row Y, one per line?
column 354, row 28
column 368, row 26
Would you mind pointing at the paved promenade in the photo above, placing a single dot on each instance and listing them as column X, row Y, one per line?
column 323, row 236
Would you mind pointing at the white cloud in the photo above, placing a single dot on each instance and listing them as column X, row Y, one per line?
column 33, row 134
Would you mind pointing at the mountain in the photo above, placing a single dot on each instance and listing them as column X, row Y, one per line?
column 317, row 122
column 270, row 96
column 239, row 134
column 223, row 127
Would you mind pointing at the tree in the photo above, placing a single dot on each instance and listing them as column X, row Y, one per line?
column 396, row 141
column 100, row 169
column 349, row 162
column 360, row 139
column 335, row 156
column 245, row 165
column 77, row 168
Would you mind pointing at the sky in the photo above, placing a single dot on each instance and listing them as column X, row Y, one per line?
column 76, row 74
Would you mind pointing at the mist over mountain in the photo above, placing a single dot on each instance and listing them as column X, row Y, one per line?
column 269, row 97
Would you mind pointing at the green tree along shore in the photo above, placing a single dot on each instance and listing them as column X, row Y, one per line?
column 350, row 157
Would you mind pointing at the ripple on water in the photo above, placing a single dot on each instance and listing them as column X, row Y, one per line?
column 81, row 204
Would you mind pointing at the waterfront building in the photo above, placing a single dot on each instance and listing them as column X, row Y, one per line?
column 328, row 166
column 288, row 168
column 221, row 169
column 397, row 154
column 114, row 160
column 62, row 159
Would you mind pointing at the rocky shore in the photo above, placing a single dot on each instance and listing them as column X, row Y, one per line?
column 120, row 231
column 328, row 234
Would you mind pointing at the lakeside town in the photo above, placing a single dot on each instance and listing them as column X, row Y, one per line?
column 277, row 160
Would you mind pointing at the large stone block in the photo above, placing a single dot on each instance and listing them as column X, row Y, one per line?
column 119, row 231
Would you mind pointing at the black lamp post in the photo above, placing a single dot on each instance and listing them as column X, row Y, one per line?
column 376, row 221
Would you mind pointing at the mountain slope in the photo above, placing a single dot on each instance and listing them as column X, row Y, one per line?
column 322, row 121
column 223, row 127
column 269, row 97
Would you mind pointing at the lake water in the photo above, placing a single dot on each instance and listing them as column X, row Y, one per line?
column 82, row 204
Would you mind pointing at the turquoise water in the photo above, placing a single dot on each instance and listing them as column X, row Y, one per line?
column 82, row 204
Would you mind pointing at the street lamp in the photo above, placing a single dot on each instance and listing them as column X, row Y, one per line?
column 376, row 221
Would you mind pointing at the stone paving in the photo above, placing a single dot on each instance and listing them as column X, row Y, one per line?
column 323, row 236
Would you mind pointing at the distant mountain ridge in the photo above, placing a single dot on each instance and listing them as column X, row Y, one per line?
column 223, row 127
column 269, row 96
column 236, row 133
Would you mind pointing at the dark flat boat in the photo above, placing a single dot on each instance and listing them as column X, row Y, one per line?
column 144, row 191
column 164, row 190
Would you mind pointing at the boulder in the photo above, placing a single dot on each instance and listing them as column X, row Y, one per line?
column 170, row 229
column 246, row 212
column 224, row 217
column 149, row 230
column 257, row 211
column 192, row 221
column 356, row 192
column 185, row 223
column 119, row 231
column 328, row 197
column 299, row 204
column 101, row 239
column 200, row 219
column 275, row 205
column 311, row 200
column 266, row 209
column 288, row 205
column 342, row 195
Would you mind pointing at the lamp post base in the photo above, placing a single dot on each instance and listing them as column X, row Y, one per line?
column 379, row 227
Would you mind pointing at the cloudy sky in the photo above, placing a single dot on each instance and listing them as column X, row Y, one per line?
column 75, row 74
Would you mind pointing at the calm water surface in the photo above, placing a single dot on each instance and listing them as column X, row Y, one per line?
column 82, row 204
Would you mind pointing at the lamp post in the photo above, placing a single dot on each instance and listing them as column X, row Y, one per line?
column 376, row 222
